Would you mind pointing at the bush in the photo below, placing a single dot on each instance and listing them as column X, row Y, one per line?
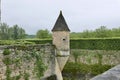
column 7, row 42
column 6, row 52
column 7, row 61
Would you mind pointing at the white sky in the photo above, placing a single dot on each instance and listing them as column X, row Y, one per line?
column 80, row 15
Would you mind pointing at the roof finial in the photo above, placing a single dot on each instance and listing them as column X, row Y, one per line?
column 60, row 11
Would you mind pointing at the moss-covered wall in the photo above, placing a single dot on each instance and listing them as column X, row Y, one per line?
column 109, row 57
column 26, row 62
column 85, row 64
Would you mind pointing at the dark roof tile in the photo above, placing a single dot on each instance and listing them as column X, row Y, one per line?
column 60, row 24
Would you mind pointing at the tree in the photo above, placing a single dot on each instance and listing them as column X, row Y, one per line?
column 116, row 32
column 17, row 32
column 102, row 32
column 14, row 32
column 4, row 31
column 42, row 34
column 21, row 33
column 88, row 34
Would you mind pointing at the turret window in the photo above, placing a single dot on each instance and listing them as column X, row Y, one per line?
column 64, row 39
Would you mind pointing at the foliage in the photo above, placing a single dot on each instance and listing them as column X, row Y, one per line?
column 95, row 56
column 18, row 60
column 22, row 42
column 96, row 44
column 8, row 72
column 17, row 32
column 4, row 31
column 101, row 32
column 14, row 42
column 82, row 68
column 30, row 36
column 39, row 65
column 40, row 41
column 75, row 54
column 88, row 43
column 7, row 61
column 99, row 58
column 91, row 44
column 42, row 34
column 6, row 52
column 26, row 76
column 7, row 42
column 14, row 32
column 16, row 77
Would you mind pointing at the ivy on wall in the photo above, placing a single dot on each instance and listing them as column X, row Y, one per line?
column 21, row 58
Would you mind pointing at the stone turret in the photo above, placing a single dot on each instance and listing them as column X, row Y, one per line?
column 61, row 40
column 61, row 34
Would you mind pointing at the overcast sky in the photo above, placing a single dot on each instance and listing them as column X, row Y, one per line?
column 80, row 15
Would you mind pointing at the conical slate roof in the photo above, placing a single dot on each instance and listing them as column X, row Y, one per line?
column 60, row 24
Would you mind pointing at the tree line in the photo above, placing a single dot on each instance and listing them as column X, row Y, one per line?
column 101, row 32
column 16, row 32
column 11, row 33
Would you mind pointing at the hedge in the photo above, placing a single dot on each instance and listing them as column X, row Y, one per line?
column 90, row 44
column 96, row 44
column 40, row 41
column 13, row 42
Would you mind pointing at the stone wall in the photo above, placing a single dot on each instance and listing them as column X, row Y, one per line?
column 61, row 40
column 109, row 57
column 22, row 62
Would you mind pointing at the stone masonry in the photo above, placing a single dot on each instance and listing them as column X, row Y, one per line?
column 23, row 62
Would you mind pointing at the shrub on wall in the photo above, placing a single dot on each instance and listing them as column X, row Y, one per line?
column 6, row 52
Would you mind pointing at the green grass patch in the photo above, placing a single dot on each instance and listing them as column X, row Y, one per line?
column 82, row 68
